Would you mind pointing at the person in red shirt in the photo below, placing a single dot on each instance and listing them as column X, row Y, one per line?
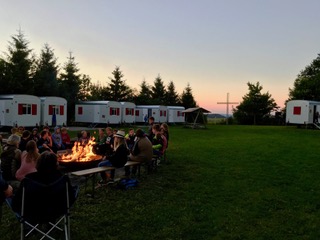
column 65, row 137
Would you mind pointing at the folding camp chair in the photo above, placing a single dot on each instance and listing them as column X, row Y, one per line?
column 45, row 207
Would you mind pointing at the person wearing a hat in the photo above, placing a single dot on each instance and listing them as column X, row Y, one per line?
column 119, row 157
column 11, row 158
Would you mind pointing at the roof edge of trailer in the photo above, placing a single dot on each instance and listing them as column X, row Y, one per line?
column 51, row 97
column 97, row 102
column 176, row 107
column 303, row 100
column 11, row 96
column 150, row 106
column 131, row 103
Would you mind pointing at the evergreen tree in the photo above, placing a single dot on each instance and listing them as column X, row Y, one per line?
column 117, row 88
column 187, row 99
column 3, row 77
column 85, row 88
column 97, row 92
column 17, row 67
column 45, row 77
column 69, row 85
column 255, row 106
column 307, row 83
column 172, row 97
column 144, row 97
column 158, row 91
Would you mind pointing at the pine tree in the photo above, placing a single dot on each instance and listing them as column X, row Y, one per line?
column 45, row 77
column 255, row 105
column 17, row 67
column 97, row 92
column 3, row 77
column 117, row 88
column 158, row 93
column 172, row 97
column 69, row 85
column 144, row 97
column 187, row 99
column 85, row 88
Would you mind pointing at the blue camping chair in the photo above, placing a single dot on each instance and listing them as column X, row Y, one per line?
column 44, row 207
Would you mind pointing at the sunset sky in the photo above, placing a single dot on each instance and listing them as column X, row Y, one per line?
column 216, row 46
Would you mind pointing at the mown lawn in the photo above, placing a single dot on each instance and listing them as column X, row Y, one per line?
column 225, row 182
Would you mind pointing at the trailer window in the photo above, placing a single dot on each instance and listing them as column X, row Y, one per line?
column 296, row 110
column 129, row 111
column 54, row 109
column 24, row 109
column 80, row 110
column 113, row 111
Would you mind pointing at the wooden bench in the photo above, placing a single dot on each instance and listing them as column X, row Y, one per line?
column 92, row 172
column 132, row 164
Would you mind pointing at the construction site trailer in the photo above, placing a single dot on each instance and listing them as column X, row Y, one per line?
column 302, row 112
column 127, row 112
column 176, row 114
column 19, row 110
column 159, row 112
column 53, row 111
column 108, row 112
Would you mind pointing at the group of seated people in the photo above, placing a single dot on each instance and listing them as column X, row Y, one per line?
column 117, row 147
column 24, row 153
column 43, row 169
column 19, row 154
column 30, row 155
column 58, row 140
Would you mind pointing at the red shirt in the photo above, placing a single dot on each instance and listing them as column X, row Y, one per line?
column 65, row 137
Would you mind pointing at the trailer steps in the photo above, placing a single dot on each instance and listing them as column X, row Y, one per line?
column 93, row 125
column 316, row 125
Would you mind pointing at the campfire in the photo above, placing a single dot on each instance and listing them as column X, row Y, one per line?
column 79, row 154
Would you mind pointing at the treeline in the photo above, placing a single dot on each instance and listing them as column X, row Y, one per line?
column 256, row 107
column 23, row 72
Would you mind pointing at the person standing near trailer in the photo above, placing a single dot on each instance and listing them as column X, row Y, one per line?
column 150, row 133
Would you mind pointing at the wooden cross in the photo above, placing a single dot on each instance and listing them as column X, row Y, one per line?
column 227, row 102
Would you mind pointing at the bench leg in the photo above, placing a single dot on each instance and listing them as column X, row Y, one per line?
column 93, row 178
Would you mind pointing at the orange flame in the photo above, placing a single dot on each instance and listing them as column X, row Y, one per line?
column 81, row 153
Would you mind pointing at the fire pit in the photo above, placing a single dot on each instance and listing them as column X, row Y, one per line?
column 79, row 157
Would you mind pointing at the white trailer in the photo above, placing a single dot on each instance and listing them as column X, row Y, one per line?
column 159, row 112
column 302, row 112
column 108, row 112
column 53, row 111
column 19, row 110
column 176, row 114
column 127, row 112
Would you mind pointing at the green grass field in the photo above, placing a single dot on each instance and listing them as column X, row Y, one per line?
column 224, row 182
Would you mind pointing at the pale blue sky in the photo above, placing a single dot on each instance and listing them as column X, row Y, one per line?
column 216, row 46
